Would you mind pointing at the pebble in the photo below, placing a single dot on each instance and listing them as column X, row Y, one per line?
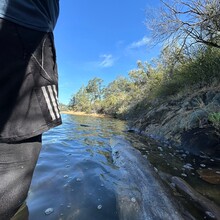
column 133, row 199
column 156, row 170
column 145, row 156
column 210, row 214
column 48, row 211
column 188, row 166
column 202, row 165
column 160, row 148
column 78, row 179
column 65, row 176
column 183, row 174
column 99, row 207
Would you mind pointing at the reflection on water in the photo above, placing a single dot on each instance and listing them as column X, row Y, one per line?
column 75, row 175
column 76, row 179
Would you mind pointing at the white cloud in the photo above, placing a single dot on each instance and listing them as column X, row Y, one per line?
column 137, row 44
column 107, row 60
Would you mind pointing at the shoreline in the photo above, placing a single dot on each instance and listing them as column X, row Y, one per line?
column 86, row 114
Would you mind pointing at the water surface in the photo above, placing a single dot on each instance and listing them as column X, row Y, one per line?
column 76, row 178
column 75, row 175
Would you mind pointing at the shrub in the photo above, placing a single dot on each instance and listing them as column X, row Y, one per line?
column 214, row 118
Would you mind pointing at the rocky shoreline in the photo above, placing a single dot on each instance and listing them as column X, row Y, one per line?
column 184, row 122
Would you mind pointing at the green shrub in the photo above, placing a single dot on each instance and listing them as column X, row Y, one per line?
column 202, row 70
column 214, row 118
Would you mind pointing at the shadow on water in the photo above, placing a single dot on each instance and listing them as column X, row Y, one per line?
column 75, row 177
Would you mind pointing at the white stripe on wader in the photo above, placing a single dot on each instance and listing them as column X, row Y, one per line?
column 54, row 103
column 55, row 91
column 56, row 96
column 48, row 103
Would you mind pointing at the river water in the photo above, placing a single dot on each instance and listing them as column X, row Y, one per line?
column 75, row 176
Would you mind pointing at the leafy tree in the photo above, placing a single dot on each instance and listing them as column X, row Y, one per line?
column 140, row 75
column 116, row 96
column 95, row 89
column 80, row 101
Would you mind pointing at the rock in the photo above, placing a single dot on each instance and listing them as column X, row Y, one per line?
column 205, row 204
column 140, row 193
column 199, row 140
column 216, row 99
column 210, row 95
column 48, row 211
column 84, row 125
column 184, row 122
column 197, row 118
column 210, row 176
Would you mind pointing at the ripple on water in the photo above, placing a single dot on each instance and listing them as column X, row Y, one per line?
column 75, row 175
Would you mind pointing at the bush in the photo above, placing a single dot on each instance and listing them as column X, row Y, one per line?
column 203, row 70
column 214, row 118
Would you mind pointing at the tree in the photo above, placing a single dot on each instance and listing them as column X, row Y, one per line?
column 95, row 89
column 80, row 101
column 116, row 96
column 187, row 22
column 140, row 75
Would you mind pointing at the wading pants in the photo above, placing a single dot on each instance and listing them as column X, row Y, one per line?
column 17, row 163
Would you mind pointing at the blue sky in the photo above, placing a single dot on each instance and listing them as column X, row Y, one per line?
column 101, row 39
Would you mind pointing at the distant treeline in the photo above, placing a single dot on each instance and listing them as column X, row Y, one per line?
column 163, row 78
column 189, row 60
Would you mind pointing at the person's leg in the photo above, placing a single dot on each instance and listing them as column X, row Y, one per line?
column 17, row 163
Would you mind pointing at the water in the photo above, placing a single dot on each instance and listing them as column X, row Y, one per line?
column 75, row 177
column 75, row 174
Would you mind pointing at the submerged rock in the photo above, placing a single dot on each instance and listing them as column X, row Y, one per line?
column 210, row 176
column 140, row 193
column 48, row 211
column 205, row 204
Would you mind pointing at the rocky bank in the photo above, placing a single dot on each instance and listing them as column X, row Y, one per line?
column 184, row 122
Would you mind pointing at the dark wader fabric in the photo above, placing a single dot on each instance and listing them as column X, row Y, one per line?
column 17, row 163
column 28, row 107
column 28, row 83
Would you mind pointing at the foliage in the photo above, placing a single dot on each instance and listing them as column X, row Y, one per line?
column 201, row 71
column 63, row 107
column 80, row 101
column 94, row 89
column 188, row 61
column 214, row 118
column 128, row 96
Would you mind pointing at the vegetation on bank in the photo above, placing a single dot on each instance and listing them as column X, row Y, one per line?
column 189, row 61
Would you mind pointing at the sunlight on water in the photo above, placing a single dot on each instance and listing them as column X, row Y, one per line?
column 76, row 179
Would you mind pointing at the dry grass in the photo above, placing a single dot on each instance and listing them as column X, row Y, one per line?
column 85, row 114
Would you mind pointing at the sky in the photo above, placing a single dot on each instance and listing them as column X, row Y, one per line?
column 100, row 38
